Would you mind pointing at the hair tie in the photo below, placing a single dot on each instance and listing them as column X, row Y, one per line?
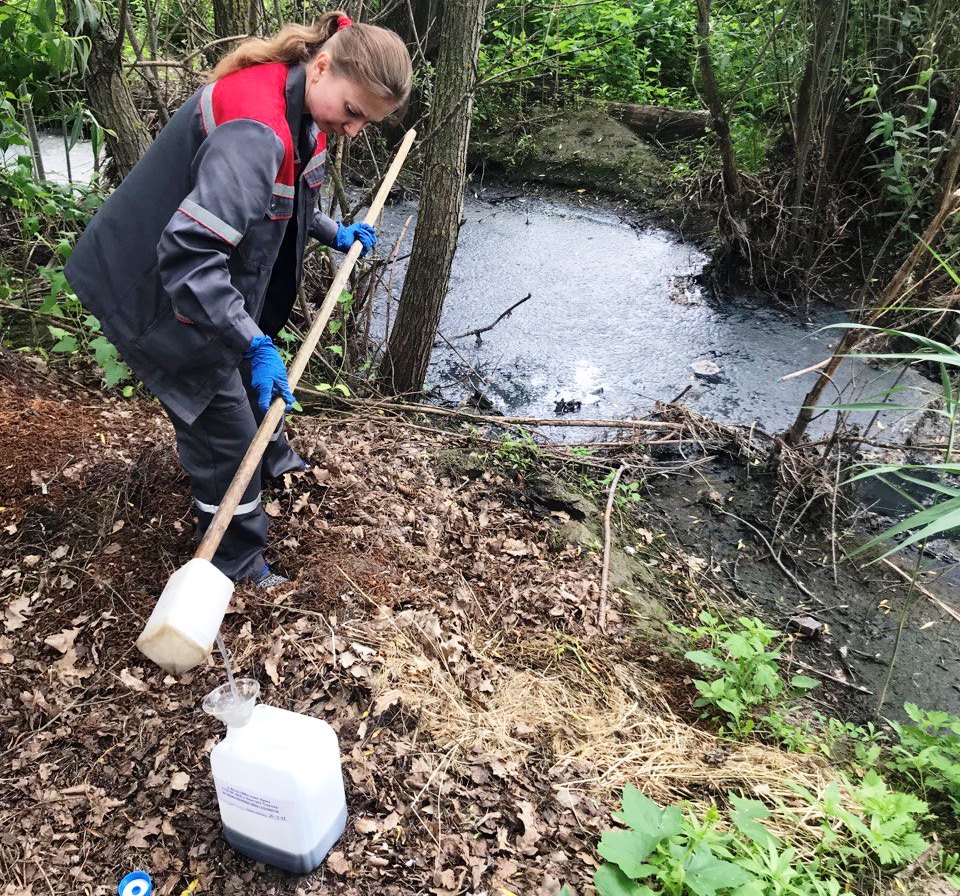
column 344, row 22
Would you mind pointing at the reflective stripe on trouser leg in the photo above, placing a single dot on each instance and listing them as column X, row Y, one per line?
column 211, row 450
column 279, row 457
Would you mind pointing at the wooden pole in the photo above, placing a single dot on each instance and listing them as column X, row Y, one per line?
column 251, row 460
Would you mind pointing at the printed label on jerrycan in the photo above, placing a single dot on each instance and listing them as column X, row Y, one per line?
column 257, row 803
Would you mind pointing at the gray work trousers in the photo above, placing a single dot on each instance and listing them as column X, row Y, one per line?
column 211, row 450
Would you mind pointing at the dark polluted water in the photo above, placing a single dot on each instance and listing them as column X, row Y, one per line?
column 616, row 321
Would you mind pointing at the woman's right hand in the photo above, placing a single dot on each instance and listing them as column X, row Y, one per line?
column 268, row 376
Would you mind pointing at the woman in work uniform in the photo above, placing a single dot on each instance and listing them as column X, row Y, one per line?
column 193, row 263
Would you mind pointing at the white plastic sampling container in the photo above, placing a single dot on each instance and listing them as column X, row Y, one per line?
column 184, row 623
column 279, row 782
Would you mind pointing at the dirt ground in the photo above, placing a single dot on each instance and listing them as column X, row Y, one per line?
column 443, row 621
column 859, row 604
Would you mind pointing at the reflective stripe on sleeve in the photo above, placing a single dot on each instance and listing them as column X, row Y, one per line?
column 283, row 190
column 209, row 220
column 316, row 162
column 206, row 109
column 241, row 509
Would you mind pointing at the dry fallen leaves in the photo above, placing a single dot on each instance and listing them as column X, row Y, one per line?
column 179, row 780
column 64, row 640
column 139, row 831
column 132, row 681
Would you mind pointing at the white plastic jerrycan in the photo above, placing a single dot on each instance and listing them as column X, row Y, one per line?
column 279, row 781
column 183, row 625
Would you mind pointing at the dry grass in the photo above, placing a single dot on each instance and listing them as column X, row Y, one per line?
column 604, row 723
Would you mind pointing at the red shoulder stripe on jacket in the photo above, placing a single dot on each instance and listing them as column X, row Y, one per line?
column 259, row 93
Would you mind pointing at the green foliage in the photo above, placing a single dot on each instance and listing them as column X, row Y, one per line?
column 518, row 450
column 634, row 52
column 949, row 866
column 943, row 513
column 858, row 746
column 668, row 851
column 902, row 138
column 628, row 491
column 674, row 852
column 927, row 754
column 86, row 338
column 38, row 52
column 334, row 366
column 46, row 220
column 744, row 676
column 879, row 823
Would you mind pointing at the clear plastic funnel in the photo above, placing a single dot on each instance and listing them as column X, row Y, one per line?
column 233, row 704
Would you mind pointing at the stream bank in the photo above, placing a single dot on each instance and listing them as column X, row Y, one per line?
column 441, row 620
column 619, row 320
column 583, row 148
column 443, row 615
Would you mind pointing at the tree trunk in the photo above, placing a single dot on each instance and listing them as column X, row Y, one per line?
column 26, row 102
column 404, row 367
column 814, row 105
column 110, row 100
column 659, row 123
column 732, row 183
column 231, row 17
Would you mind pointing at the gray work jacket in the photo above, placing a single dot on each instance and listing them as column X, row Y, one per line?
column 207, row 234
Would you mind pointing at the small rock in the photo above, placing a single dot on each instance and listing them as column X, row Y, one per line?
column 479, row 401
column 805, row 626
column 566, row 406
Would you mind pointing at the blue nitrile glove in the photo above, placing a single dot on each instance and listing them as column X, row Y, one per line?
column 347, row 233
column 268, row 376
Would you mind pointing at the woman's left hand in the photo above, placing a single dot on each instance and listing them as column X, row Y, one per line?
column 347, row 234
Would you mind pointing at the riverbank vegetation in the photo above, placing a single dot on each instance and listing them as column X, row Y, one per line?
column 512, row 637
column 835, row 129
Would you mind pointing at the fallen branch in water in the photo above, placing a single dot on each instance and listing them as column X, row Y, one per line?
column 480, row 330
column 403, row 407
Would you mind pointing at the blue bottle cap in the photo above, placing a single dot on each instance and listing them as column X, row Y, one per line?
column 136, row 883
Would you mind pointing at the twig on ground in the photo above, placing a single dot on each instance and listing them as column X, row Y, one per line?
column 929, row 595
column 776, row 559
column 836, row 679
column 604, row 575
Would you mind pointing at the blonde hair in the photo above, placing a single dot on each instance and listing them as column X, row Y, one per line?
column 373, row 57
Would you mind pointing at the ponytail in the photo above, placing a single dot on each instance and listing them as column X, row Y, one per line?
column 373, row 57
column 291, row 45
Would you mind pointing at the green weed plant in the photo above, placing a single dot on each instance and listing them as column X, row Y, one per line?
column 743, row 676
column 50, row 216
column 927, row 754
column 674, row 851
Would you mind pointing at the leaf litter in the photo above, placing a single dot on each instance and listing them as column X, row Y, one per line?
column 445, row 629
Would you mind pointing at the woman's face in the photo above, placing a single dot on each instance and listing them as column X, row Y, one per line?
column 337, row 105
